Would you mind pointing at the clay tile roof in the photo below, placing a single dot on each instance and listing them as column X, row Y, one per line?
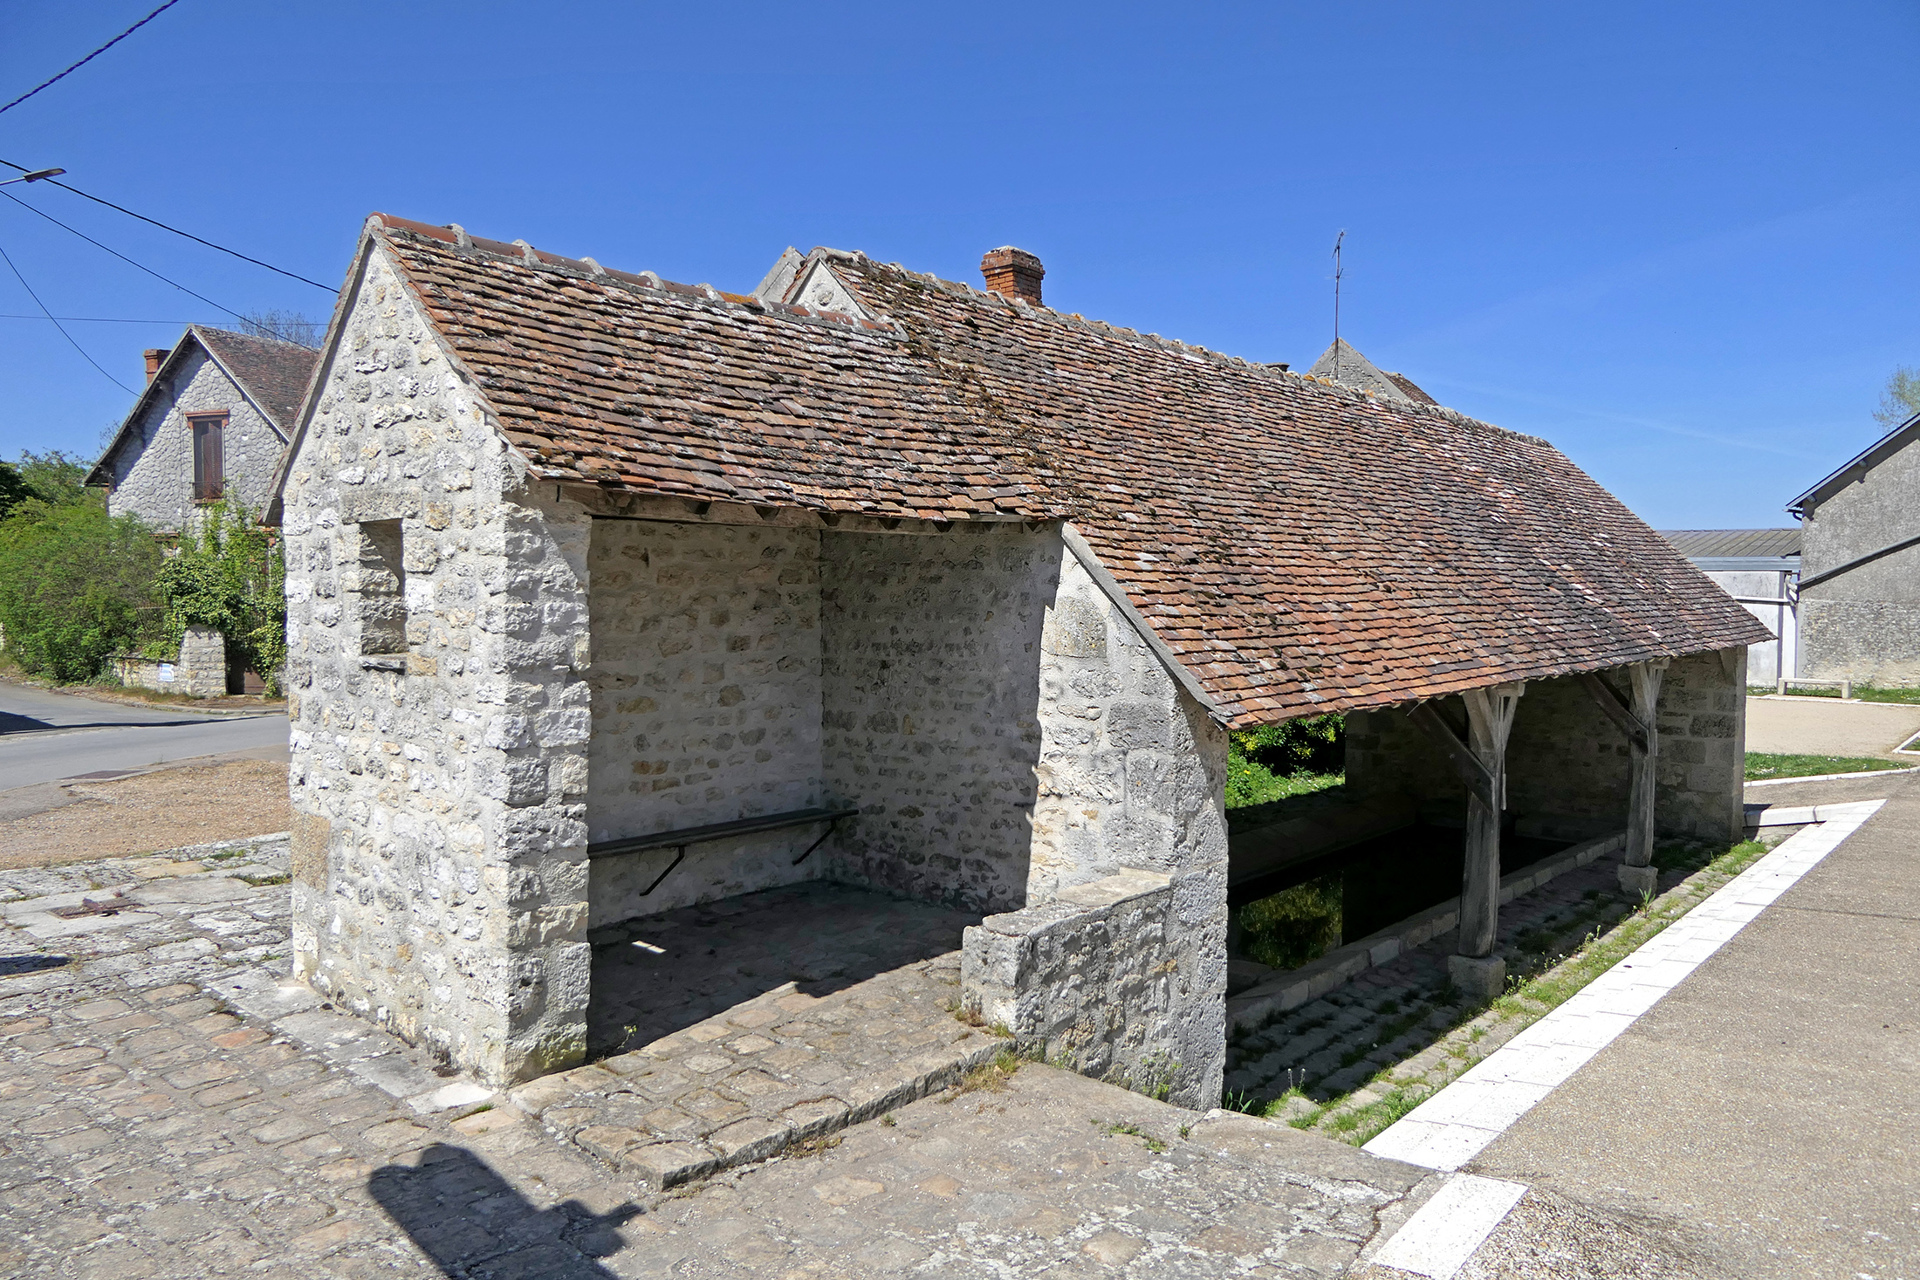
column 274, row 373
column 1299, row 545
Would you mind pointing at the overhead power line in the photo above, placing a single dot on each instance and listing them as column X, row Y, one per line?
column 11, row 315
column 123, row 257
column 90, row 57
column 62, row 328
column 155, row 222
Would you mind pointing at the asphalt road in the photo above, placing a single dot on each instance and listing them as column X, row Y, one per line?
column 45, row 736
column 1761, row 1118
column 1830, row 727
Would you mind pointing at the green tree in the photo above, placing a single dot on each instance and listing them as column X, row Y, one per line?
column 55, row 478
column 13, row 490
column 1900, row 399
column 229, row 575
column 75, row 585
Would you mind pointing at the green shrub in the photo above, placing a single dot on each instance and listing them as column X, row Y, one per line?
column 1311, row 744
column 75, row 585
column 229, row 576
column 1280, row 760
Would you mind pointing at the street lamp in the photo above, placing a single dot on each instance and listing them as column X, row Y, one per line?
column 35, row 176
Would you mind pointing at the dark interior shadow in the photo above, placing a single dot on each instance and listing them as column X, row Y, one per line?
column 659, row 974
column 13, row 966
column 465, row 1216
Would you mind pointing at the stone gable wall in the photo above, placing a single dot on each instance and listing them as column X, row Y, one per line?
column 1864, row 624
column 152, row 473
column 440, row 876
column 706, row 705
column 1132, row 777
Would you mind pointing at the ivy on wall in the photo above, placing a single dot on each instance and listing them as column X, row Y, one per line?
column 228, row 574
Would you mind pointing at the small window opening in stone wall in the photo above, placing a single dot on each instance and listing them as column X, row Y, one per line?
column 383, row 589
column 209, row 456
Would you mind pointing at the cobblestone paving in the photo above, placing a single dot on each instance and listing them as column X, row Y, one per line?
column 1349, row 1064
column 172, row 1108
column 764, row 1019
column 1384, row 1015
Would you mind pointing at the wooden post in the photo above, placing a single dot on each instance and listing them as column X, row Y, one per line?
column 1637, row 875
column 1489, row 720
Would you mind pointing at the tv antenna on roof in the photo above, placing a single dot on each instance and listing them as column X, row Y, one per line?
column 1336, row 304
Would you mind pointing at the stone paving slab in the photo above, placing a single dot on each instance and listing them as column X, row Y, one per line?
column 170, row 1106
column 768, row 1019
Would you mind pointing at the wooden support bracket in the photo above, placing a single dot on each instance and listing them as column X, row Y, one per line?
column 1478, row 778
column 1616, row 709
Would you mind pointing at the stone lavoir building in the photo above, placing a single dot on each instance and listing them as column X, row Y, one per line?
column 609, row 595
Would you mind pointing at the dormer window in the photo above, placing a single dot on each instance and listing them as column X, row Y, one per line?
column 209, row 459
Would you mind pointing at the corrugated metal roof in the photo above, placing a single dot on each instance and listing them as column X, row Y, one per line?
column 1696, row 544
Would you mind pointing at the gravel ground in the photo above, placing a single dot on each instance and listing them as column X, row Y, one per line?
column 165, row 809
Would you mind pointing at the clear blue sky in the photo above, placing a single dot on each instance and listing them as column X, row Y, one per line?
column 1679, row 241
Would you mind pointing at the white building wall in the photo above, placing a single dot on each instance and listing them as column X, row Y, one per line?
column 439, row 842
column 1766, row 663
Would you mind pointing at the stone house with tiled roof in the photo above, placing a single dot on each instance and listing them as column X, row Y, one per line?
column 212, row 420
column 609, row 594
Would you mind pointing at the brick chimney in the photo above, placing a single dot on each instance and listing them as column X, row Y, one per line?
column 155, row 357
column 1013, row 273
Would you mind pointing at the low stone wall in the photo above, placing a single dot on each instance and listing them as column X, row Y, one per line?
column 199, row 672
column 1091, row 978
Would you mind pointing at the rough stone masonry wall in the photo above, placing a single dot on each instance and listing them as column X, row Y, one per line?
column 1086, row 979
column 200, row 671
column 930, row 655
column 153, row 470
column 439, row 834
column 1865, row 624
column 1567, row 765
column 1129, row 781
column 706, row 706
column 1703, row 746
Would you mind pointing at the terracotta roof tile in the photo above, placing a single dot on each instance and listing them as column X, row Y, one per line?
column 1299, row 545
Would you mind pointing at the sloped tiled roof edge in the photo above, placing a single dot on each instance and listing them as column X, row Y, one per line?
column 1297, row 545
column 272, row 386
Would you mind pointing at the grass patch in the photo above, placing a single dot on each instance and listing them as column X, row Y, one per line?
column 1764, row 764
column 1546, row 981
column 1152, row 1143
column 1599, row 953
column 1254, row 783
column 261, row 882
column 988, row 1077
column 1359, row 1125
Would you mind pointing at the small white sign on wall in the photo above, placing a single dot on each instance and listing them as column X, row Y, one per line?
column 166, row 673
